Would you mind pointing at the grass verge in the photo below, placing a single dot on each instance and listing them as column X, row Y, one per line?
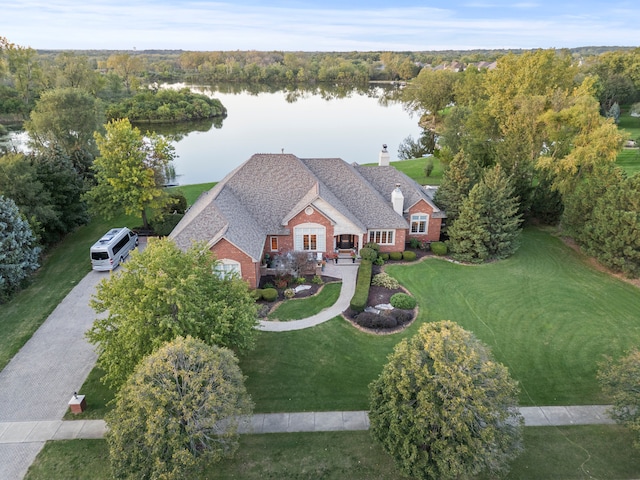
column 568, row 453
column 298, row 308
column 415, row 169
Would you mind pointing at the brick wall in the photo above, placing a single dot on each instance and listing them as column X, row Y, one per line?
column 433, row 230
column 250, row 270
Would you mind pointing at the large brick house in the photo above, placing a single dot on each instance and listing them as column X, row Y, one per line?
column 276, row 203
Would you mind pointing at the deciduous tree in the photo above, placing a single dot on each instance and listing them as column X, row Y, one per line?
column 67, row 118
column 443, row 408
column 129, row 172
column 163, row 293
column 621, row 381
column 178, row 412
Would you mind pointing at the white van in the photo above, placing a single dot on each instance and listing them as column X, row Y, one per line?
column 114, row 246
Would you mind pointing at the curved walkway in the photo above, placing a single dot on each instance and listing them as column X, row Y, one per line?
column 348, row 272
column 37, row 384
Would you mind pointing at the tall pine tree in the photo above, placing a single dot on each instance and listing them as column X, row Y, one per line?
column 488, row 226
column 457, row 182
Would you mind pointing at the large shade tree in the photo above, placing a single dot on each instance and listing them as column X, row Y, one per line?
column 178, row 412
column 163, row 293
column 130, row 172
column 443, row 408
column 66, row 119
column 620, row 380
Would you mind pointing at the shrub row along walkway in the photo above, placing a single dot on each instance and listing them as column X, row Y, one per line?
column 36, row 386
column 26, row 432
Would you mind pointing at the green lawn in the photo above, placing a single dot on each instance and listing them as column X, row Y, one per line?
column 568, row 453
column 298, row 308
column 415, row 169
column 629, row 160
column 62, row 268
column 192, row 192
column 544, row 313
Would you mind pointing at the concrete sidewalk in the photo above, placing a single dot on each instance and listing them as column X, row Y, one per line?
column 28, row 432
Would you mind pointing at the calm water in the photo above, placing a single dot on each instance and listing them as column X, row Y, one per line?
column 352, row 128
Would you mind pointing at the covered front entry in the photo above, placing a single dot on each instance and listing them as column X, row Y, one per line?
column 346, row 242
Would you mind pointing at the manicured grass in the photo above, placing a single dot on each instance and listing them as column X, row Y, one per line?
column 298, row 308
column 415, row 169
column 631, row 125
column 545, row 314
column 629, row 160
column 97, row 396
column 71, row 459
column 577, row 452
column 192, row 192
column 62, row 268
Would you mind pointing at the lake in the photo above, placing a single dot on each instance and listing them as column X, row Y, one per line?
column 351, row 127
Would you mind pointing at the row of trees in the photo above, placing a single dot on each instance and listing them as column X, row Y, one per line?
column 528, row 140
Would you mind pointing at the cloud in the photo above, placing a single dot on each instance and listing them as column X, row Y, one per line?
column 210, row 25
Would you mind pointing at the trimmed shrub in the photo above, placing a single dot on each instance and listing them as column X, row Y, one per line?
column 439, row 248
column 374, row 320
column 415, row 243
column 256, row 294
column 178, row 202
column 373, row 246
column 401, row 316
column 385, row 321
column 363, row 282
column 408, row 256
column 378, row 261
column 395, row 256
column 317, row 280
column 384, row 256
column 269, row 294
column 385, row 280
column 289, row 293
column 403, row 301
column 368, row 254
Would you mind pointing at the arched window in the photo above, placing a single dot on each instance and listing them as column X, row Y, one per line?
column 226, row 267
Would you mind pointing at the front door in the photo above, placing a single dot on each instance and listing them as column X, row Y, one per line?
column 345, row 242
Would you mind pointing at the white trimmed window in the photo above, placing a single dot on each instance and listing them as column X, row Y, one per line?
column 382, row 237
column 227, row 267
column 419, row 223
column 274, row 244
column 309, row 238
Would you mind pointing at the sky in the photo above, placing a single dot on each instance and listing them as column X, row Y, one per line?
column 332, row 25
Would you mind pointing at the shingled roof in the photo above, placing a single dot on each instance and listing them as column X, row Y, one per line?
column 258, row 197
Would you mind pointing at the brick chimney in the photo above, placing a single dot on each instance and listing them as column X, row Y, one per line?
column 383, row 158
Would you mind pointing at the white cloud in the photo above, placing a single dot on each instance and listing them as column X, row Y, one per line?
column 62, row 24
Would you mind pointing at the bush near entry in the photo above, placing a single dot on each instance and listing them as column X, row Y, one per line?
column 439, row 248
column 363, row 282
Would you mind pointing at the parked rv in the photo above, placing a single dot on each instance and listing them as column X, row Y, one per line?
column 114, row 246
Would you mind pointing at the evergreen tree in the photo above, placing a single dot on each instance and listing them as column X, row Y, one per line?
column 18, row 249
column 488, row 226
column 457, row 181
column 613, row 233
